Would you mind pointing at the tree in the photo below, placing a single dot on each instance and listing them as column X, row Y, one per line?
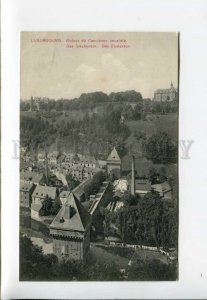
column 151, row 269
column 138, row 111
column 93, row 187
column 46, row 206
column 50, row 207
column 161, row 149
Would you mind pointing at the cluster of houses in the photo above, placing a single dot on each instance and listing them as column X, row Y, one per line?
column 70, row 228
column 78, row 166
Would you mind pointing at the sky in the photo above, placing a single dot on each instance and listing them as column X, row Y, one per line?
column 51, row 69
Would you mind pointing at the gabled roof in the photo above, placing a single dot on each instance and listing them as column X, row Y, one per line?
column 163, row 189
column 26, row 187
column 87, row 158
column 114, row 156
column 143, row 185
column 31, row 176
column 72, row 216
column 42, row 191
column 78, row 191
column 37, row 177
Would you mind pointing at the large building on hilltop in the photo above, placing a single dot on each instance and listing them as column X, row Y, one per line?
column 70, row 230
column 166, row 94
column 113, row 163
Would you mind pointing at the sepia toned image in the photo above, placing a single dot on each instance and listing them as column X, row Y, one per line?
column 99, row 156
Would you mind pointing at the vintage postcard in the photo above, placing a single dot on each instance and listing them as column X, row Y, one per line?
column 99, row 156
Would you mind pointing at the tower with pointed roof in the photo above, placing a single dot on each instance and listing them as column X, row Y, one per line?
column 113, row 163
column 70, row 230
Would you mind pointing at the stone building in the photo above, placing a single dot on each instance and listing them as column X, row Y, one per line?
column 34, row 177
column 70, row 230
column 26, row 190
column 166, row 94
column 113, row 163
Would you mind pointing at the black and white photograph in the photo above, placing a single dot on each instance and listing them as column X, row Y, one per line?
column 99, row 156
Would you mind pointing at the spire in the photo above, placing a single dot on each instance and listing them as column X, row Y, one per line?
column 171, row 84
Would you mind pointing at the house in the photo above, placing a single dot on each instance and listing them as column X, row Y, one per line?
column 142, row 186
column 113, row 163
column 26, row 190
column 54, row 181
column 41, row 192
column 38, row 196
column 88, row 161
column 102, row 163
column 77, row 172
column 70, row 230
column 68, row 159
column 164, row 189
column 90, row 171
column 53, row 157
column 41, row 157
column 34, row 177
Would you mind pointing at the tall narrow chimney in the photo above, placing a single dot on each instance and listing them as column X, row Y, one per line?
column 46, row 168
column 133, row 177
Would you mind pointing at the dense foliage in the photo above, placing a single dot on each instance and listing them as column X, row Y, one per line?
column 94, row 185
column 94, row 133
column 50, row 207
column 154, row 270
column 145, row 221
column 160, row 148
column 91, row 100
column 34, row 265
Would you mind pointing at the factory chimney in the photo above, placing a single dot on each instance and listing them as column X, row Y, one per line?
column 46, row 168
column 133, row 177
